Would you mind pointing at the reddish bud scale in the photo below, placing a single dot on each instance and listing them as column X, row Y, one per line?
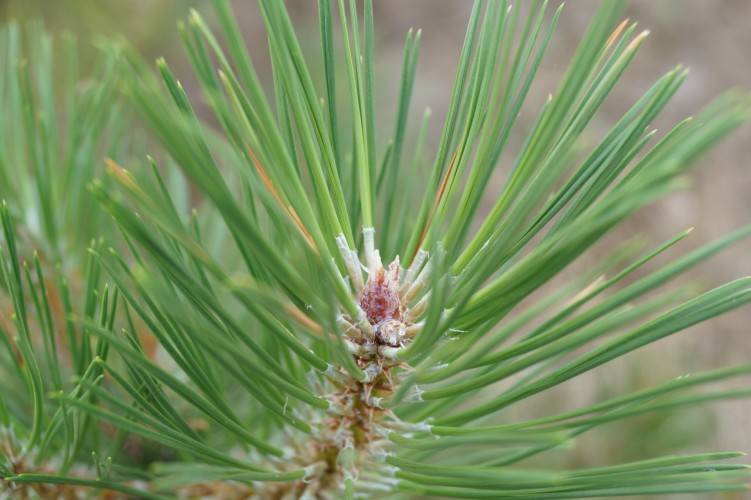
column 380, row 297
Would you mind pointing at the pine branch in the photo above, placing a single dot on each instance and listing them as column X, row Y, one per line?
column 275, row 306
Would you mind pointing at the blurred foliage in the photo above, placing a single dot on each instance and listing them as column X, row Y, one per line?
column 142, row 22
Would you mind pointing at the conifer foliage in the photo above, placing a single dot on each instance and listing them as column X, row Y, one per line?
column 273, row 305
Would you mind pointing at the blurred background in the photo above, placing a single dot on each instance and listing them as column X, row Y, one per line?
column 712, row 38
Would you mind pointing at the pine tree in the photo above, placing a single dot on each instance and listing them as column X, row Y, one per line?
column 272, row 306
